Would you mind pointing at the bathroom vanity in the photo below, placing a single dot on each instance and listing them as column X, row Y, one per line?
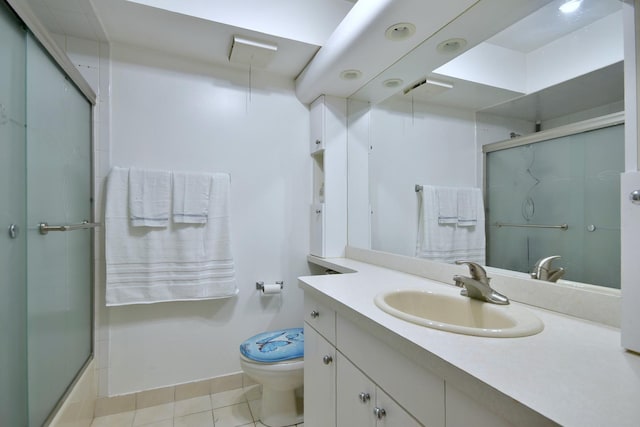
column 364, row 367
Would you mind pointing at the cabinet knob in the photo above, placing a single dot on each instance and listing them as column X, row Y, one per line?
column 379, row 413
column 364, row 397
column 314, row 314
column 327, row 360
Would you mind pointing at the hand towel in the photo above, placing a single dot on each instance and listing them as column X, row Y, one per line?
column 149, row 197
column 467, row 201
column 447, row 205
column 447, row 242
column 191, row 197
column 176, row 263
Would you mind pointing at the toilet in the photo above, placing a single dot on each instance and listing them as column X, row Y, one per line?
column 275, row 360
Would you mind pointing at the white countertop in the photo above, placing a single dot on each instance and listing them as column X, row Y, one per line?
column 574, row 372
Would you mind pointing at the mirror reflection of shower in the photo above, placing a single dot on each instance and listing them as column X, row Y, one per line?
column 558, row 195
column 528, row 204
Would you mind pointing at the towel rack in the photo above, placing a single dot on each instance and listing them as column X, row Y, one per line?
column 46, row 228
column 418, row 188
column 561, row 226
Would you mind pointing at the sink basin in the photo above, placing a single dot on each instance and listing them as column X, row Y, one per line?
column 459, row 314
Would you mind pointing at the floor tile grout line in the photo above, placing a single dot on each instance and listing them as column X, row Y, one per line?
column 244, row 400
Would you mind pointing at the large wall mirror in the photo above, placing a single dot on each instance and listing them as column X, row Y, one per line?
column 525, row 103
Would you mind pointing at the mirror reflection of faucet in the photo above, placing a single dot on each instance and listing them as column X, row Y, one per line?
column 542, row 270
column 477, row 286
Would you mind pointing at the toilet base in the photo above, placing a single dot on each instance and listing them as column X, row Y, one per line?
column 279, row 408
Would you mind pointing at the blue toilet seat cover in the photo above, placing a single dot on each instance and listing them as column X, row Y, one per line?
column 274, row 346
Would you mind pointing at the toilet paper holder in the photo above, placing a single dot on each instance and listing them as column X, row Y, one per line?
column 260, row 285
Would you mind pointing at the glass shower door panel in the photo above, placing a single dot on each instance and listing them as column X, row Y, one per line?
column 13, row 296
column 59, row 192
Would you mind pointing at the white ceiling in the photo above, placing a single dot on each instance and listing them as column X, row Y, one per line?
column 549, row 24
column 201, row 29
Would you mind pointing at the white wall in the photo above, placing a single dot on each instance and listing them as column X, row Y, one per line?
column 173, row 114
column 414, row 144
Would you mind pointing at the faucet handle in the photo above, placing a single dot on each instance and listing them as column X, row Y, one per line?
column 476, row 270
column 542, row 270
column 546, row 262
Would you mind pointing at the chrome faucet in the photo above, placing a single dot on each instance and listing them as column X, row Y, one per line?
column 477, row 286
column 542, row 270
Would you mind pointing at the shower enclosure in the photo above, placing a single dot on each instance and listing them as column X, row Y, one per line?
column 558, row 196
column 45, row 276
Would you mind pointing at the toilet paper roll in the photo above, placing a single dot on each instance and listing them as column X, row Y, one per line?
column 271, row 289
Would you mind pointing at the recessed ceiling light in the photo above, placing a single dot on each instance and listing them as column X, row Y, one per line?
column 351, row 74
column 451, row 45
column 570, row 6
column 392, row 83
column 400, row 31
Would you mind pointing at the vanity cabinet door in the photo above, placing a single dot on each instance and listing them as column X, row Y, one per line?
column 319, row 380
column 360, row 403
column 356, row 396
column 394, row 415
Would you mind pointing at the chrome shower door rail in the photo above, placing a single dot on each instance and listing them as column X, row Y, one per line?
column 46, row 228
column 561, row 226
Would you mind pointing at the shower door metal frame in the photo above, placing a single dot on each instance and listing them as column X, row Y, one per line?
column 22, row 9
column 24, row 13
column 545, row 135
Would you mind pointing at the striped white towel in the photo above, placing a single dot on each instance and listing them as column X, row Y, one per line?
column 177, row 263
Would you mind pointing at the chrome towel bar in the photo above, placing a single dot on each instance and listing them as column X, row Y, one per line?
column 46, row 228
column 561, row 226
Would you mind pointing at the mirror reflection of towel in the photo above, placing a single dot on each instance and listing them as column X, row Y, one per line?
column 447, row 205
column 468, row 206
column 448, row 242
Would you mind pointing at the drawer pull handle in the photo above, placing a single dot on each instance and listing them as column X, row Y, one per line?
column 315, row 314
column 327, row 360
column 379, row 413
column 364, row 397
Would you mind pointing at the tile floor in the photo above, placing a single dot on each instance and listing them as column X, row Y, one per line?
column 232, row 408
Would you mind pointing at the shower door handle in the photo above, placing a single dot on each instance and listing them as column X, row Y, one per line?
column 46, row 228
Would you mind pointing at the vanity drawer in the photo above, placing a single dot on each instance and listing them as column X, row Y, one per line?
column 417, row 390
column 321, row 318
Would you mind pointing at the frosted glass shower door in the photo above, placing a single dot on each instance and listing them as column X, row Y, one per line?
column 59, row 193
column 13, row 287
column 573, row 180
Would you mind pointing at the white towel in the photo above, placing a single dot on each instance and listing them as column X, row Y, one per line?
column 447, row 242
column 467, row 201
column 447, row 205
column 191, row 197
column 179, row 262
column 149, row 197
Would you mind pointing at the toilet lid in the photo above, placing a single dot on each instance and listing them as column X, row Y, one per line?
column 274, row 346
